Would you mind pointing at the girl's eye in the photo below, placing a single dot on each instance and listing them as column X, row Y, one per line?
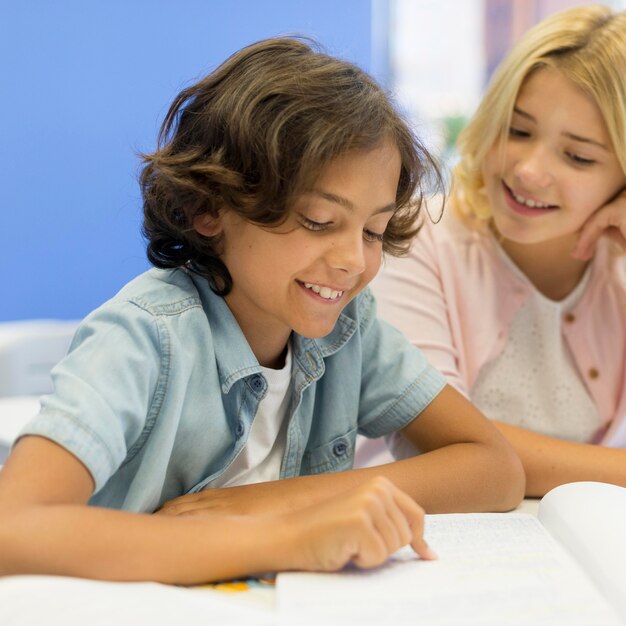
column 579, row 160
column 517, row 132
column 313, row 225
column 370, row 236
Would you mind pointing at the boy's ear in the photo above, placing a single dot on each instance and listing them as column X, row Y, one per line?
column 208, row 225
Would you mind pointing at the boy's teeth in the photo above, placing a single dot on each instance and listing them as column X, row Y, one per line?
column 529, row 203
column 325, row 292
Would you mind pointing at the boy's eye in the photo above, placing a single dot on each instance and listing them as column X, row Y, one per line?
column 579, row 160
column 371, row 236
column 518, row 132
column 312, row 224
column 309, row 224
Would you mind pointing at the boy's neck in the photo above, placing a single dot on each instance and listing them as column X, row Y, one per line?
column 269, row 349
column 276, row 363
column 268, row 343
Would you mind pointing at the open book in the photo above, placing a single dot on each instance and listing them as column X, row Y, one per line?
column 566, row 566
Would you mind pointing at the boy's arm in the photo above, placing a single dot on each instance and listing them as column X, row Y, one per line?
column 549, row 462
column 466, row 465
column 46, row 528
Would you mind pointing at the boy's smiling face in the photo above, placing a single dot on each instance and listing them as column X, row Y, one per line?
column 302, row 274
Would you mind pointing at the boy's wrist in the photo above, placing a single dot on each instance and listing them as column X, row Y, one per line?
column 273, row 540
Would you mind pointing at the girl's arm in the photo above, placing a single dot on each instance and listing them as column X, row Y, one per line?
column 549, row 462
column 466, row 465
column 46, row 528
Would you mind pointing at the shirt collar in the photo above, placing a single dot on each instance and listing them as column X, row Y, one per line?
column 235, row 359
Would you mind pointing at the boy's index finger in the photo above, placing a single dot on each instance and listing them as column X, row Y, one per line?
column 415, row 516
column 423, row 550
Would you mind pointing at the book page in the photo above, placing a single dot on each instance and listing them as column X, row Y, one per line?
column 498, row 569
column 41, row 600
column 589, row 519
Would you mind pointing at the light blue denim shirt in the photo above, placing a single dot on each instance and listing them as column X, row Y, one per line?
column 159, row 390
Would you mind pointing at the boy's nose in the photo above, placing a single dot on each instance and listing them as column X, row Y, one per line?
column 346, row 253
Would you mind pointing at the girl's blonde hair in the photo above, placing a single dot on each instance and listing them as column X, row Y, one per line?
column 588, row 45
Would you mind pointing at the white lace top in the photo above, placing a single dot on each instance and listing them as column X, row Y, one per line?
column 534, row 382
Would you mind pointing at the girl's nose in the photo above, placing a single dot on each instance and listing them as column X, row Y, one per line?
column 533, row 169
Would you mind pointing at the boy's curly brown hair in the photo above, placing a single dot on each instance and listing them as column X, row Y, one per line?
column 256, row 132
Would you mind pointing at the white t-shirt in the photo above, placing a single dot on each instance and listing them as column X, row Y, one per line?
column 260, row 459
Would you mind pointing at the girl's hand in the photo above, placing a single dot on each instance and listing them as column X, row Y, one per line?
column 362, row 526
column 609, row 220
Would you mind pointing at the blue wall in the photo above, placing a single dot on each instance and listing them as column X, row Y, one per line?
column 85, row 85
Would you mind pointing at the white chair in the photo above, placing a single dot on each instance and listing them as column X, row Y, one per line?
column 28, row 351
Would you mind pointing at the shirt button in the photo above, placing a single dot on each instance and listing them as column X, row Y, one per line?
column 340, row 448
column 239, row 429
column 257, row 382
column 593, row 373
column 569, row 318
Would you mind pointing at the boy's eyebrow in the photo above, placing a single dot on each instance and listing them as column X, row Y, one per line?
column 344, row 202
column 570, row 135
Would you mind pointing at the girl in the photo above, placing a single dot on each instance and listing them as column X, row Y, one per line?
column 221, row 389
column 512, row 296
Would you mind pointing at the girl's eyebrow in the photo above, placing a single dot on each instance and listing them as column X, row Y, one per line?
column 344, row 202
column 573, row 136
column 523, row 113
column 587, row 140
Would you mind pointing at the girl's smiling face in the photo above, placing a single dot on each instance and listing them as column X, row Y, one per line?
column 558, row 165
column 301, row 275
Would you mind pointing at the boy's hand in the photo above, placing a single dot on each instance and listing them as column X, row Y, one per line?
column 609, row 220
column 361, row 526
column 243, row 500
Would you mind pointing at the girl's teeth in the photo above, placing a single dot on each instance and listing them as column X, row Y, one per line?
column 529, row 203
column 326, row 292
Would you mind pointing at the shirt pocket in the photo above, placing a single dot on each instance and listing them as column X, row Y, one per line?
column 334, row 456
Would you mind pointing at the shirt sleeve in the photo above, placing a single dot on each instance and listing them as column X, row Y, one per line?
column 398, row 383
column 104, row 388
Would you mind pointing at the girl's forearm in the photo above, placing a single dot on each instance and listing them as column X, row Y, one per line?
column 549, row 462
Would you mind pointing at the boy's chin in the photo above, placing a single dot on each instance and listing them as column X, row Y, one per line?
column 318, row 332
column 315, row 334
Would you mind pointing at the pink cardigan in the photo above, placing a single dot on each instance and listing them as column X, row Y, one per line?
column 455, row 298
